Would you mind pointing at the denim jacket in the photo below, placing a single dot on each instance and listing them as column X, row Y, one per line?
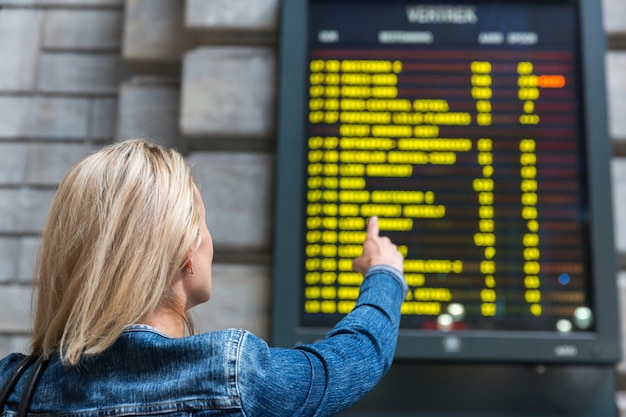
column 227, row 373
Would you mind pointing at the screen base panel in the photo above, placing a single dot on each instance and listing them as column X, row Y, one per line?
column 493, row 390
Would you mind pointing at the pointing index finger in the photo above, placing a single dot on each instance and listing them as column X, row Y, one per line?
column 372, row 227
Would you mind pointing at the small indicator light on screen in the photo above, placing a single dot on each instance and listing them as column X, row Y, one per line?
column 445, row 322
column 551, row 81
column 583, row 317
column 564, row 326
column 456, row 311
column 564, row 279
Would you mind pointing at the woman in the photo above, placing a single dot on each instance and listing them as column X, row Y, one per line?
column 125, row 254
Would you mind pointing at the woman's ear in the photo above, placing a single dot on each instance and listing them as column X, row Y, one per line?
column 189, row 266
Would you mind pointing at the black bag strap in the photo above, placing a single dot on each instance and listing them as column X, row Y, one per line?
column 15, row 376
column 31, row 385
column 31, row 382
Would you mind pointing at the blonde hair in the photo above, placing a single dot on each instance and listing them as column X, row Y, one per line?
column 122, row 223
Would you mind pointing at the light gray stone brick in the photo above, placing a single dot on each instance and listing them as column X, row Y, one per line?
column 19, row 344
column 621, row 295
column 12, row 163
column 153, row 31
column 14, row 309
column 616, row 93
column 43, row 117
column 27, row 257
column 237, row 192
column 621, row 403
column 8, row 258
column 614, row 16
column 247, row 15
column 229, row 92
column 10, row 344
column 33, row 210
column 24, row 210
column 48, row 163
column 103, row 119
column 151, row 111
column 5, row 342
column 80, row 73
column 619, row 202
column 83, row 29
column 240, row 299
column 20, row 31
column 8, row 209
column 63, row 3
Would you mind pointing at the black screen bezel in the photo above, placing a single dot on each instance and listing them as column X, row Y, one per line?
column 601, row 345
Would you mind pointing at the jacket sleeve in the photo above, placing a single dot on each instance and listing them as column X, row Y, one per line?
column 326, row 377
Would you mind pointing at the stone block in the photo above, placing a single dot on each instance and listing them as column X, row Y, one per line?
column 5, row 342
column 153, row 31
column 614, row 16
column 618, row 169
column 14, row 309
column 80, row 73
column 12, row 163
column 43, row 118
column 150, row 110
column 229, row 92
column 48, row 163
column 24, row 210
column 10, row 344
column 64, row 3
column 620, row 398
column 232, row 15
column 237, row 192
column 20, row 32
column 621, row 295
column 83, row 29
column 8, row 255
column 103, row 118
column 8, row 207
column 34, row 205
column 616, row 93
column 27, row 257
column 240, row 299
column 19, row 344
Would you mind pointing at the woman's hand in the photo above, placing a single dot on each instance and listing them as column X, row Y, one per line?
column 377, row 250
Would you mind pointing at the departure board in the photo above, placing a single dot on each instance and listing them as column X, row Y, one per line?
column 464, row 127
column 467, row 145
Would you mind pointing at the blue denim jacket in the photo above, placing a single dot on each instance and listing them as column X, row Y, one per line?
column 230, row 372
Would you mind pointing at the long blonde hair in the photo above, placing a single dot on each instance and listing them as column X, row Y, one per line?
column 121, row 225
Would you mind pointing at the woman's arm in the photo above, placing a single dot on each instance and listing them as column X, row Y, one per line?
column 324, row 378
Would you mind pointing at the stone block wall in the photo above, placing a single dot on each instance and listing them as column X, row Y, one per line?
column 60, row 68
column 204, row 83
column 615, row 25
column 198, row 75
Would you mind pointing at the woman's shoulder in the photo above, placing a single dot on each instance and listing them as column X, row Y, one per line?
column 214, row 344
column 8, row 363
column 143, row 355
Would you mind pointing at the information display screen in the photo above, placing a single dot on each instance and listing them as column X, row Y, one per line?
column 467, row 143
column 463, row 127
